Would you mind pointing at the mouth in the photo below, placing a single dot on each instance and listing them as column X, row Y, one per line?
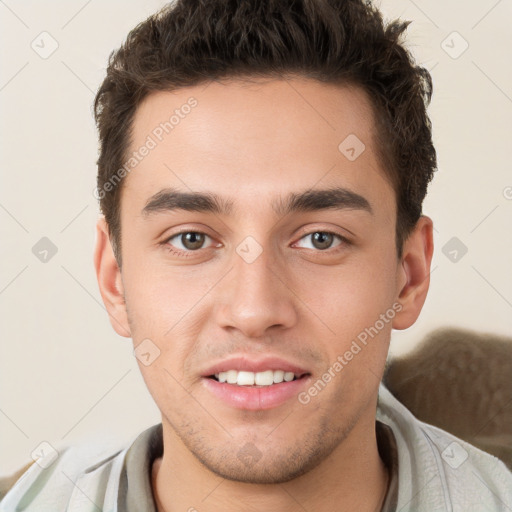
column 241, row 383
column 260, row 379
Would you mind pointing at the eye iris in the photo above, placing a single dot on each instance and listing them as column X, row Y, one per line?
column 192, row 240
column 322, row 240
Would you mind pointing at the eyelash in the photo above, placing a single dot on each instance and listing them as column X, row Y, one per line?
column 186, row 254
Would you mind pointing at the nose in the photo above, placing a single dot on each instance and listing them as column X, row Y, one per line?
column 256, row 298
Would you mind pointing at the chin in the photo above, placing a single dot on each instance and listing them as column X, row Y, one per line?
column 250, row 466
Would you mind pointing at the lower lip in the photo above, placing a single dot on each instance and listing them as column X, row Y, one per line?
column 255, row 398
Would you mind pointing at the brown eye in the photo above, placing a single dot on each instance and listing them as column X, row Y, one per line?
column 322, row 240
column 192, row 240
column 188, row 241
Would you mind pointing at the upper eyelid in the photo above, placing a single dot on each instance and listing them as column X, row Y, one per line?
column 184, row 231
column 169, row 238
column 320, row 230
column 342, row 238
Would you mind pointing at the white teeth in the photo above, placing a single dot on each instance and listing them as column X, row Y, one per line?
column 245, row 379
column 231, row 376
column 265, row 378
column 278, row 376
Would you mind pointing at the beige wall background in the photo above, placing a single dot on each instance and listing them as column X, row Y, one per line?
column 65, row 375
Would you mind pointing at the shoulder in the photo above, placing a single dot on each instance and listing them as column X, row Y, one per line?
column 438, row 471
column 80, row 472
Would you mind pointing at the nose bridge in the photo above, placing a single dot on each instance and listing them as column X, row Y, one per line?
column 256, row 296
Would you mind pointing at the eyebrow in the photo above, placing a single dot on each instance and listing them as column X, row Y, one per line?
column 171, row 199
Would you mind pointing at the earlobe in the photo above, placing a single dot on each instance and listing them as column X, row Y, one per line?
column 110, row 281
column 414, row 274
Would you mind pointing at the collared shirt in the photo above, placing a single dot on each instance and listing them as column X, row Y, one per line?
column 431, row 471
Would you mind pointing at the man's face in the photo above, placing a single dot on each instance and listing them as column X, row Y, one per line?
column 273, row 289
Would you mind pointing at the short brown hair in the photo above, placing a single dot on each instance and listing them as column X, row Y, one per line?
column 190, row 42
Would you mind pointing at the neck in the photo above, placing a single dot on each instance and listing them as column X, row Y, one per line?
column 353, row 477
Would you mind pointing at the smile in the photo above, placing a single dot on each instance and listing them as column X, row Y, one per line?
column 264, row 378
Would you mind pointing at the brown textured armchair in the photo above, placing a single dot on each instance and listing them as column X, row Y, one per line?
column 460, row 381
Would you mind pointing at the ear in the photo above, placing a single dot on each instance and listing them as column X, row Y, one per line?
column 414, row 274
column 110, row 281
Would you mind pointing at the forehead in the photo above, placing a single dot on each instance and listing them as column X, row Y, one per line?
column 250, row 139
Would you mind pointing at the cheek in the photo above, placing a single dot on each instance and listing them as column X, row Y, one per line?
column 356, row 341
column 158, row 296
column 164, row 381
column 359, row 313
column 163, row 305
column 351, row 297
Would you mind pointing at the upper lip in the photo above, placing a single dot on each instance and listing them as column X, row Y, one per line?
column 244, row 363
